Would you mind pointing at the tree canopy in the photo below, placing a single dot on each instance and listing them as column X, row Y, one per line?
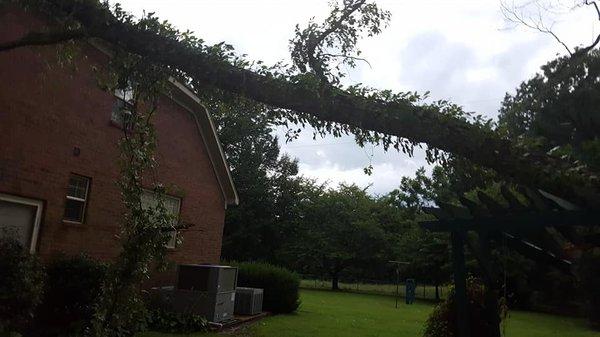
column 557, row 110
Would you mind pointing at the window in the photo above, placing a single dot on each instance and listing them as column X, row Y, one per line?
column 77, row 195
column 123, row 108
column 172, row 204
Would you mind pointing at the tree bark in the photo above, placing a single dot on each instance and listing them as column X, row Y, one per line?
column 335, row 282
column 437, row 292
column 416, row 123
column 41, row 39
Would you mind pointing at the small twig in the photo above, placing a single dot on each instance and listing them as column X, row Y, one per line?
column 511, row 15
column 179, row 226
column 349, row 57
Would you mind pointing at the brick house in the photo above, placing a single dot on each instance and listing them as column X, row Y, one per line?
column 59, row 154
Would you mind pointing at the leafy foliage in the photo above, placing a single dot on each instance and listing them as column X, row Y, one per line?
column 442, row 321
column 71, row 289
column 340, row 228
column 317, row 46
column 267, row 182
column 590, row 276
column 21, row 285
column 280, row 285
column 169, row 321
column 144, row 231
column 428, row 255
column 557, row 110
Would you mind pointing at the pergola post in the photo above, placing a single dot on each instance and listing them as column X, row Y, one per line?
column 460, row 283
column 491, row 295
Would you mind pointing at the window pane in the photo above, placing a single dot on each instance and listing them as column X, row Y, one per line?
column 125, row 94
column 121, row 114
column 74, row 210
column 78, row 187
column 172, row 240
column 170, row 203
column 172, row 206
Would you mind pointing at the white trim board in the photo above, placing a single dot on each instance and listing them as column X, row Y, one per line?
column 38, row 215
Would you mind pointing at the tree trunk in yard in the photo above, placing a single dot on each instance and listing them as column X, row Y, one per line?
column 437, row 292
column 335, row 282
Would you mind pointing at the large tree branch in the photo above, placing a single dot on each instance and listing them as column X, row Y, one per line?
column 42, row 39
column 584, row 50
column 595, row 5
column 402, row 119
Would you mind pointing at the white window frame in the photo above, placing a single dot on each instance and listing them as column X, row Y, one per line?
column 38, row 215
column 125, row 101
column 174, row 232
column 84, row 200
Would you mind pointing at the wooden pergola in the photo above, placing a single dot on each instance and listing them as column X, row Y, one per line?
column 532, row 222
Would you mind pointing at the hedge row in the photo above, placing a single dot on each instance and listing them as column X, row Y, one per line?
column 280, row 286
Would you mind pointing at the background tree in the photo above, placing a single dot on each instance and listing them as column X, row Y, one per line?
column 267, row 183
column 339, row 232
column 558, row 111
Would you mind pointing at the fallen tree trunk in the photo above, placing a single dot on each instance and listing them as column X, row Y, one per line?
column 415, row 123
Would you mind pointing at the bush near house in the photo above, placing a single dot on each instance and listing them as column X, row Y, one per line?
column 21, row 285
column 280, row 285
column 162, row 318
column 175, row 322
column 71, row 289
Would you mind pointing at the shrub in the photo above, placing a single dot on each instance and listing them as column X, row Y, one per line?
column 21, row 285
column 442, row 321
column 280, row 285
column 162, row 318
column 72, row 287
column 169, row 321
column 589, row 274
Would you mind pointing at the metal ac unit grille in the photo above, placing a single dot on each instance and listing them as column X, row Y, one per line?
column 248, row 301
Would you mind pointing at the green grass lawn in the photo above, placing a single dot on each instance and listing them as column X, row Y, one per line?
column 330, row 314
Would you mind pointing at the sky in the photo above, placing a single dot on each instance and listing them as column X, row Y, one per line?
column 460, row 50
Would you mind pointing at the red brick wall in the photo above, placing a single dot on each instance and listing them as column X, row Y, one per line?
column 47, row 110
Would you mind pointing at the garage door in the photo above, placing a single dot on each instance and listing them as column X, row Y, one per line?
column 20, row 218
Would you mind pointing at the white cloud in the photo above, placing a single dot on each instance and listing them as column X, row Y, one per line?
column 384, row 175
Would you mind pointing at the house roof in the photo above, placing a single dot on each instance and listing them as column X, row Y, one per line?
column 184, row 97
column 189, row 101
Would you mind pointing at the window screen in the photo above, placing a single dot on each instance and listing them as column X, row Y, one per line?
column 123, row 108
column 172, row 204
column 77, row 195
